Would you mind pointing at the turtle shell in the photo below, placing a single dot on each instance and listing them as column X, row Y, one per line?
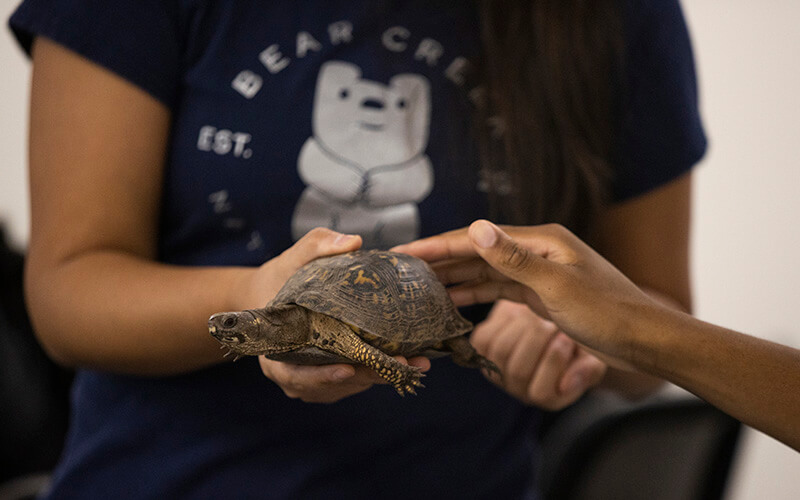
column 391, row 297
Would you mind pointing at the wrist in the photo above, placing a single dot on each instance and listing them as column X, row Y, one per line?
column 651, row 333
column 237, row 295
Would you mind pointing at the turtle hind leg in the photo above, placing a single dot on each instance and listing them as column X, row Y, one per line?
column 338, row 338
column 465, row 355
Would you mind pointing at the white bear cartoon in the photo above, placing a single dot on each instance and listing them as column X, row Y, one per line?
column 365, row 166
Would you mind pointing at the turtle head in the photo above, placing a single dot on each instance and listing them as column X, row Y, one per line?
column 260, row 331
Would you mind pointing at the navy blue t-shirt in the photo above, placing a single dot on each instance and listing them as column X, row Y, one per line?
column 353, row 115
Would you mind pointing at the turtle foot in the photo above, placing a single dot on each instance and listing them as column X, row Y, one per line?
column 410, row 378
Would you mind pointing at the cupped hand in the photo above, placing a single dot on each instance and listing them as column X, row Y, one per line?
column 541, row 366
column 327, row 383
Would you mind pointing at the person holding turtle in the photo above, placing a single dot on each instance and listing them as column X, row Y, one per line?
column 181, row 150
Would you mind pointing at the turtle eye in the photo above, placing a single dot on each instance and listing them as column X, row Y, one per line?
column 229, row 322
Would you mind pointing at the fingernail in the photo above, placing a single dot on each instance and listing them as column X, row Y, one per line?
column 341, row 374
column 484, row 234
column 343, row 239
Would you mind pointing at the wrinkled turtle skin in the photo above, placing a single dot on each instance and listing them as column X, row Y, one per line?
column 361, row 307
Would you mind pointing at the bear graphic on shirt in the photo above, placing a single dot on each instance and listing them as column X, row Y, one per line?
column 365, row 167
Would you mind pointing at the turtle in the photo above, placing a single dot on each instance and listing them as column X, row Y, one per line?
column 360, row 307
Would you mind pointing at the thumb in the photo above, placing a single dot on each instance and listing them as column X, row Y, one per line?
column 319, row 242
column 506, row 255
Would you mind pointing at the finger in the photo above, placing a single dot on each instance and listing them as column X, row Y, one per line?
column 305, row 375
column 365, row 375
column 524, row 361
column 486, row 292
column 585, row 372
column 421, row 362
column 523, row 264
column 454, row 271
column 449, row 245
column 504, row 341
column 484, row 334
column 543, row 388
column 319, row 242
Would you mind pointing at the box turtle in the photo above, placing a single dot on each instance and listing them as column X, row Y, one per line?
column 361, row 307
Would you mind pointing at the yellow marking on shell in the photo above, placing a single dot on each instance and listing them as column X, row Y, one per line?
column 392, row 347
column 376, row 277
column 363, row 279
column 394, row 260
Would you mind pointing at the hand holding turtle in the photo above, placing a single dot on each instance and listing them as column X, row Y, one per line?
column 263, row 284
column 327, row 383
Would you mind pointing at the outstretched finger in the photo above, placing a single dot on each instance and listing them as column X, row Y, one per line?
column 489, row 291
column 456, row 271
column 450, row 245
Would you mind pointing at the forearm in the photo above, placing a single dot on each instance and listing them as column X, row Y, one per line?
column 635, row 385
column 756, row 381
column 115, row 311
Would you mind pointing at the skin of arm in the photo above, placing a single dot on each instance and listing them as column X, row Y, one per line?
column 562, row 278
column 96, row 296
column 647, row 238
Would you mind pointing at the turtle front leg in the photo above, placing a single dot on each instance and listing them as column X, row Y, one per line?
column 334, row 336
column 466, row 355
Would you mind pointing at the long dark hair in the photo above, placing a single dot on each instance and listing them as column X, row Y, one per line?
column 546, row 115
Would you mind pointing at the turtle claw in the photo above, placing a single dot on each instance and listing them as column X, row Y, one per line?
column 410, row 382
column 490, row 369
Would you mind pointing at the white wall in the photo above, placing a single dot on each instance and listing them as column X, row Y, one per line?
column 14, row 76
column 747, row 216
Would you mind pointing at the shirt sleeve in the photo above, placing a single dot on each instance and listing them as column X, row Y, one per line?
column 138, row 40
column 662, row 135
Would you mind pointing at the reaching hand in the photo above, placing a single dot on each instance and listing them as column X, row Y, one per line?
column 546, row 267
